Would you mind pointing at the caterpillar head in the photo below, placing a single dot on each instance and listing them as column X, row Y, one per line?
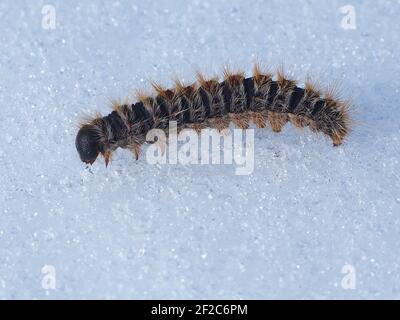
column 90, row 141
column 87, row 144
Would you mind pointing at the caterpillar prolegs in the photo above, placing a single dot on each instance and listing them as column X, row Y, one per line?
column 209, row 103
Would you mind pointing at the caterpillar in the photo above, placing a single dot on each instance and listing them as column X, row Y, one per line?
column 209, row 103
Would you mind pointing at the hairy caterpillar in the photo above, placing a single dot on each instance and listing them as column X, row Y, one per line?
column 210, row 103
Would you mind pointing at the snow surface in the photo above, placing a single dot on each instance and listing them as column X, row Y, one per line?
column 141, row 231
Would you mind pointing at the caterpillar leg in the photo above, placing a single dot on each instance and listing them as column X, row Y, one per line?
column 277, row 120
column 196, row 127
column 337, row 139
column 219, row 123
column 259, row 119
column 107, row 157
column 298, row 121
column 136, row 150
column 240, row 120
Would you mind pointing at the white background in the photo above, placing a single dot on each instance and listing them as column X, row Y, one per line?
column 136, row 230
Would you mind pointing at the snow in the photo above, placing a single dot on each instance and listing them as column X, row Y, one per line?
column 142, row 231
